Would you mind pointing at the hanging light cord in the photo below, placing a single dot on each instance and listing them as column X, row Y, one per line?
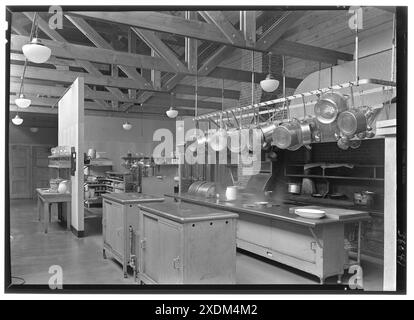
column 33, row 33
column 284, row 87
column 196, row 94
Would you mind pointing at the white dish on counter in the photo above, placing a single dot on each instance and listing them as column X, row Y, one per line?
column 310, row 213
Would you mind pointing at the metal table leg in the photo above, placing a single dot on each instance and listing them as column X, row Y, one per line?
column 359, row 243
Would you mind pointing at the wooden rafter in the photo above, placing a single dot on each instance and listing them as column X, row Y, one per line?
column 278, row 29
column 155, row 43
column 201, row 30
column 162, row 22
column 100, row 42
column 219, row 20
column 34, row 90
column 54, row 35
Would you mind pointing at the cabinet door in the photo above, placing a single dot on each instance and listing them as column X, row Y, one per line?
column 171, row 259
column 106, row 207
column 255, row 230
column 294, row 241
column 150, row 246
column 114, row 216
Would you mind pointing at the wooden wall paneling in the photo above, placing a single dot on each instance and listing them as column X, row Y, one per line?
column 20, row 168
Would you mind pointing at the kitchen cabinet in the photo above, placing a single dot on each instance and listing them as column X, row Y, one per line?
column 186, row 244
column 120, row 226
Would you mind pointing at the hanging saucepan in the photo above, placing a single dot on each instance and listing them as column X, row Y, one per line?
column 255, row 136
column 267, row 131
column 352, row 122
column 329, row 106
column 218, row 140
column 287, row 135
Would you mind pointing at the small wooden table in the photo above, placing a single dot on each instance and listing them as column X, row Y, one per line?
column 46, row 198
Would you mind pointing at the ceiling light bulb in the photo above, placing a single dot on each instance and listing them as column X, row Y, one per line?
column 17, row 120
column 36, row 52
column 22, row 101
column 127, row 126
column 269, row 84
column 172, row 113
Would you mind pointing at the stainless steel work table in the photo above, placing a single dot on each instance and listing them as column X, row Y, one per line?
column 280, row 235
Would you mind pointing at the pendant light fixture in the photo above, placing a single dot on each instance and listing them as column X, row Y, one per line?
column 269, row 84
column 171, row 113
column 17, row 120
column 127, row 126
column 22, row 101
column 36, row 51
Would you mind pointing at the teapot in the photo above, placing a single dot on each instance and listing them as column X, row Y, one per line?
column 63, row 186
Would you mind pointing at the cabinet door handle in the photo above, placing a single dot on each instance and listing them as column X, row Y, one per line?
column 176, row 263
column 313, row 245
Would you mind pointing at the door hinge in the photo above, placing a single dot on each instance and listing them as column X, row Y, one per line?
column 142, row 242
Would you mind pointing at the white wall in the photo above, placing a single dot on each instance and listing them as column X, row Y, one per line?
column 70, row 124
column 105, row 134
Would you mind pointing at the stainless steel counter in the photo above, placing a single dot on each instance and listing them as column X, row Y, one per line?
column 277, row 211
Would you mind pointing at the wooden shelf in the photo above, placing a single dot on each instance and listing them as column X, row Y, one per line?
column 359, row 172
column 59, row 166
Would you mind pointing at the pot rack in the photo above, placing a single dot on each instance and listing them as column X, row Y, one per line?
column 382, row 85
column 240, row 112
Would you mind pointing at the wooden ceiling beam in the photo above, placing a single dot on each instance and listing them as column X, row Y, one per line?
column 57, row 91
column 70, row 76
column 308, row 52
column 278, row 29
column 163, row 23
column 81, row 52
column 94, row 112
column 54, row 35
column 207, row 92
column 203, row 31
column 234, row 36
column 100, row 42
column 155, row 43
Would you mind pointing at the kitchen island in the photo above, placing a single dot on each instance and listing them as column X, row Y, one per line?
column 315, row 246
column 120, row 225
column 183, row 243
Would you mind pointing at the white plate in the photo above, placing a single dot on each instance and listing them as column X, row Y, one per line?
column 310, row 213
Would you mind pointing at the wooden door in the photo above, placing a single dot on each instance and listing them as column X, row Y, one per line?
column 20, row 176
column 150, row 246
column 40, row 169
column 171, row 256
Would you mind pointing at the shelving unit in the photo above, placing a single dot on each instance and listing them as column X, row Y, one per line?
column 371, row 172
